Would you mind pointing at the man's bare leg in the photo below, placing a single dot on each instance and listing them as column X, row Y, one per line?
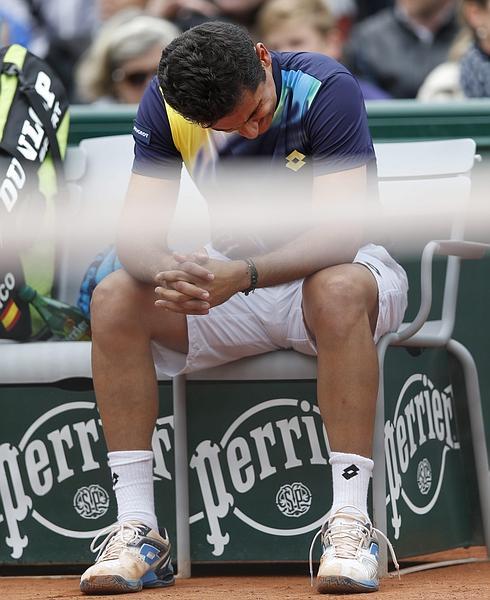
column 340, row 306
column 124, row 321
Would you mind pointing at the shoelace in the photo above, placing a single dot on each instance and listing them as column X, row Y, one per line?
column 347, row 538
column 113, row 543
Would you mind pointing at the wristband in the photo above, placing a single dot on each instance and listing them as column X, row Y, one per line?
column 254, row 276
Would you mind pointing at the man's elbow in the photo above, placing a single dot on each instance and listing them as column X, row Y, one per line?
column 123, row 249
column 128, row 255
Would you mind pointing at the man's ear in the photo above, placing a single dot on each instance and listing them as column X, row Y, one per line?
column 263, row 54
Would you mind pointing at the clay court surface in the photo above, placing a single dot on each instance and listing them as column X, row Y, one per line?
column 461, row 582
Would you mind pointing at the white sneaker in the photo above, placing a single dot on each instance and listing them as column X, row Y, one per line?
column 349, row 562
column 132, row 556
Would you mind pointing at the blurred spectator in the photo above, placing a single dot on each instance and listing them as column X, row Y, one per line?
column 184, row 13
column 305, row 26
column 187, row 13
column 341, row 8
column 475, row 64
column 345, row 14
column 398, row 47
column 108, row 8
column 467, row 72
column 57, row 30
column 366, row 8
column 123, row 58
column 243, row 12
column 299, row 26
column 443, row 82
column 15, row 25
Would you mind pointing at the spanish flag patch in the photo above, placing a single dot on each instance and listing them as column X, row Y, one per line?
column 10, row 315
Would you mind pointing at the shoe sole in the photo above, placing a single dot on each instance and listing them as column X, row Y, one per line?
column 342, row 585
column 109, row 584
column 159, row 583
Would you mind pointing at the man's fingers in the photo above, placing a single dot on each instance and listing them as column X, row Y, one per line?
column 199, row 256
column 172, row 295
column 191, row 307
column 167, row 296
column 191, row 290
column 195, row 269
column 180, row 290
column 193, row 274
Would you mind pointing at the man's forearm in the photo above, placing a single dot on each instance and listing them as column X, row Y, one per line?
column 144, row 260
column 142, row 231
column 312, row 251
column 335, row 232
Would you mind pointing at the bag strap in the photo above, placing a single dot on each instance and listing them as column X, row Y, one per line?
column 35, row 101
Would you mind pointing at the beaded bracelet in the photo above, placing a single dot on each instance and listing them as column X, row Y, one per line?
column 254, row 276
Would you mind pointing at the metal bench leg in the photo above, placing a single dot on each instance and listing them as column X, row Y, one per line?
column 379, row 472
column 477, row 432
column 181, row 477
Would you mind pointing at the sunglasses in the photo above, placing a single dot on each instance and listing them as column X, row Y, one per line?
column 134, row 78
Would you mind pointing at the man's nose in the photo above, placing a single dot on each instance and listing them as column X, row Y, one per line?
column 249, row 130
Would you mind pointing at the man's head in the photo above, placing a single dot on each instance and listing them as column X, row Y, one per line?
column 213, row 75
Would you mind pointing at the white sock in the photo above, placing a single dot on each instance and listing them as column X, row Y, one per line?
column 132, row 482
column 350, row 476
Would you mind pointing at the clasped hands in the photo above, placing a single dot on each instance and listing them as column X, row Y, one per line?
column 196, row 283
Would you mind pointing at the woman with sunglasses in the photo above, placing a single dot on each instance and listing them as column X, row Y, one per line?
column 123, row 58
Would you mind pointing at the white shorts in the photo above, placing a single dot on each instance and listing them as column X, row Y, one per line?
column 272, row 319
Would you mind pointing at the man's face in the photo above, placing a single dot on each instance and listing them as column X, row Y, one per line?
column 254, row 113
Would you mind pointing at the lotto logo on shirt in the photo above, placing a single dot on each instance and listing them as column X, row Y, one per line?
column 295, row 160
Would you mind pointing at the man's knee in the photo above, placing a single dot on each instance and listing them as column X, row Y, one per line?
column 337, row 299
column 114, row 301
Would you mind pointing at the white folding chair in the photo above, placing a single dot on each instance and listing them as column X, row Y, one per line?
column 99, row 170
column 432, row 172
column 413, row 171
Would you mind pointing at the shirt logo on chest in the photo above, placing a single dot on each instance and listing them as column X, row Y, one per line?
column 294, row 160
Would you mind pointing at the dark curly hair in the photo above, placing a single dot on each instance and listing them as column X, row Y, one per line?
column 204, row 72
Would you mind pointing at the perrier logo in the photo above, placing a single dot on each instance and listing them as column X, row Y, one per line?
column 294, row 160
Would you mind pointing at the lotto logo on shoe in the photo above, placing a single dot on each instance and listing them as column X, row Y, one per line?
column 267, row 452
column 417, row 442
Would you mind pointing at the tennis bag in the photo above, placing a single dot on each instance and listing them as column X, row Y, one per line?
column 34, row 122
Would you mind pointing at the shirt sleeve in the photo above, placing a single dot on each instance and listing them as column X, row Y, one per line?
column 337, row 127
column 155, row 154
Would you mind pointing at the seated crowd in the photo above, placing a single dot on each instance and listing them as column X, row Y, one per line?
column 107, row 50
